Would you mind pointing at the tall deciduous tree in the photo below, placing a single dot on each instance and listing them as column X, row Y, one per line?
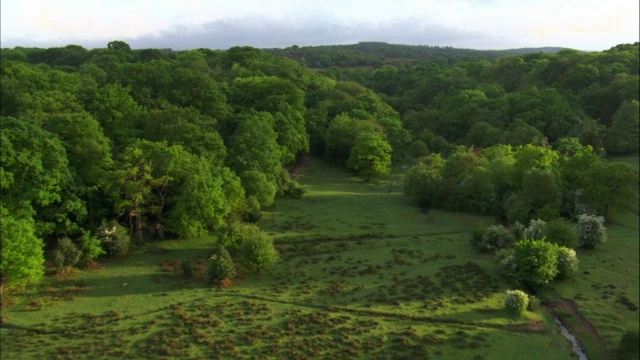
column 370, row 156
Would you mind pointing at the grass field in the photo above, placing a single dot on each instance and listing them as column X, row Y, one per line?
column 363, row 275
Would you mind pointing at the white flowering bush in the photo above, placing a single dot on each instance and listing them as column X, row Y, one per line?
column 115, row 238
column 536, row 230
column 516, row 301
column 567, row 262
column 591, row 230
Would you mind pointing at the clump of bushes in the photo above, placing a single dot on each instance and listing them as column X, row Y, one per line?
column 91, row 248
column 516, row 301
column 591, row 230
column 115, row 238
column 254, row 249
column 66, row 253
column 493, row 237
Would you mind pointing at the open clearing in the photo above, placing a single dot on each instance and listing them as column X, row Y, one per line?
column 363, row 275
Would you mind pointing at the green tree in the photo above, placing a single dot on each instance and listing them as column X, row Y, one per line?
column 609, row 186
column 370, row 156
column 623, row 135
column 536, row 262
column 424, row 181
column 22, row 254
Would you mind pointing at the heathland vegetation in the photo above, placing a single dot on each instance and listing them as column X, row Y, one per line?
column 394, row 201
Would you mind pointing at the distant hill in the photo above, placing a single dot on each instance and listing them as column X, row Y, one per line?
column 378, row 53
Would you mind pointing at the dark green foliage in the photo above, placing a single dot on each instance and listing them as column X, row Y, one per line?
column 66, row 253
column 560, row 231
column 492, row 238
column 221, row 265
column 629, row 347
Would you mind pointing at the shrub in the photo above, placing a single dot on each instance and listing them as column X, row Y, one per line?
column 66, row 253
column 187, row 269
column 534, row 303
column 115, row 238
column 252, row 212
column 91, row 249
column 231, row 236
column 516, row 301
column 476, row 236
column 507, row 263
column 258, row 252
column 536, row 262
column 591, row 230
column 567, row 262
column 629, row 348
column 561, row 232
column 517, row 230
column 536, row 229
column 221, row 266
column 496, row 237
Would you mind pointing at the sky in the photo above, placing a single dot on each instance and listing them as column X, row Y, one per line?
column 220, row 24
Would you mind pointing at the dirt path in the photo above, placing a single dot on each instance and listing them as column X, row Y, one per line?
column 301, row 165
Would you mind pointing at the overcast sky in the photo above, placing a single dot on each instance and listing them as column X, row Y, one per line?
column 220, row 24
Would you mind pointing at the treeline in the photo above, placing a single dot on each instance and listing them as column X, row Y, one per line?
column 515, row 100
column 379, row 53
column 164, row 143
column 523, row 183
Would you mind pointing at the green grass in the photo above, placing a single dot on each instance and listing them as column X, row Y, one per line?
column 363, row 275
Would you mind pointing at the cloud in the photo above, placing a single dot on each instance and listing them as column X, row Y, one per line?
column 268, row 33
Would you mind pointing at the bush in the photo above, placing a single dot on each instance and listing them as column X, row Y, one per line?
column 536, row 229
column 517, row 230
column 567, row 262
column 536, row 262
column 507, row 263
column 561, row 232
column 91, row 249
column 516, row 301
column 476, row 236
column 258, row 252
column 252, row 212
column 231, row 236
column 66, row 253
column 629, row 348
column 534, row 303
column 115, row 238
column 496, row 237
column 591, row 230
column 221, row 266
column 187, row 269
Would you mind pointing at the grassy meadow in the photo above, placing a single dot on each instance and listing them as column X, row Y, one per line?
column 363, row 274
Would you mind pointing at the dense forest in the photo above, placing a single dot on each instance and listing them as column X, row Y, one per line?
column 183, row 143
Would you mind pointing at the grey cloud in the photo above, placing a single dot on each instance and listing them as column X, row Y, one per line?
column 268, row 33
